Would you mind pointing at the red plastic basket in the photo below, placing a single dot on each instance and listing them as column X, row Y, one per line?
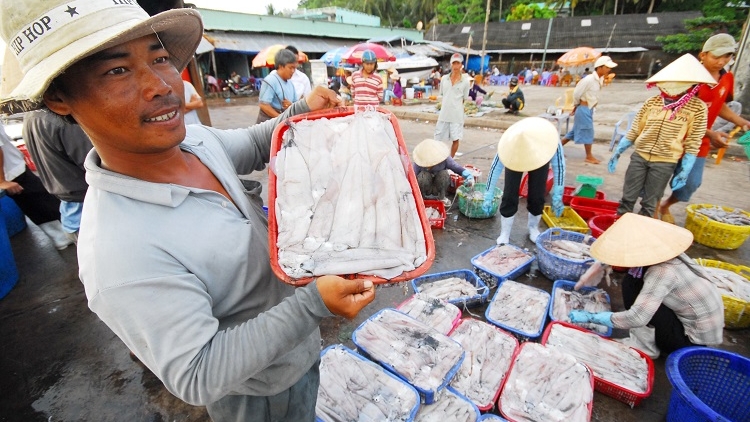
column 605, row 387
column 456, row 182
column 273, row 229
column 568, row 194
column 589, row 207
column 523, row 191
column 599, row 223
column 436, row 223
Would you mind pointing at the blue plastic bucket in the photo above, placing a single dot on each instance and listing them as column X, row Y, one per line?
column 8, row 270
column 15, row 221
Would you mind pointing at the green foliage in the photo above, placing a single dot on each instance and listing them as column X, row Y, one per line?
column 460, row 11
column 522, row 11
column 699, row 30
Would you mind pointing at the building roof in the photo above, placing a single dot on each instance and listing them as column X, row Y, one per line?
column 600, row 32
column 252, row 43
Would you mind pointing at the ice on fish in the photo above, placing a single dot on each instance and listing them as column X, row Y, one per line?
column 448, row 407
column 519, row 307
column 351, row 386
column 418, row 353
column 565, row 300
column 489, row 351
column 729, row 283
column 736, row 217
column 609, row 360
column 503, row 259
column 568, row 249
column 436, row 313
column 546, row 384
column 450, row 289
column 342, row 185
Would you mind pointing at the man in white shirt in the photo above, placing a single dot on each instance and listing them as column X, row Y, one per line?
column 301, row 82
column 454, row 89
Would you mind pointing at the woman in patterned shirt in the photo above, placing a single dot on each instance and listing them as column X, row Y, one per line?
column 367, row 85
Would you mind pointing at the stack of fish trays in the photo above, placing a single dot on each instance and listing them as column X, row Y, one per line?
column 568, row 285
column 476, row 298
column 736, row 310
column 602, row 385
column 493, row 279
column 590, row 207
column 556, row 267
column 568, row 194
column 381, row 386
column 503, row 300
column 399, row 328
column 437, row 313
column 450, row 402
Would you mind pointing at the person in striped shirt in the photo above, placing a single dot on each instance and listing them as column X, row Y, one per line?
column 667, row 127
column 367, row 85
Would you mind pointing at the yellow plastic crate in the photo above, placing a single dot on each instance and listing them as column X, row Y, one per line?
column 569, row 220
column 736, row 311
column 712, row 233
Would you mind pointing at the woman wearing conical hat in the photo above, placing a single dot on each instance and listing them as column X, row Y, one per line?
column 669, row 301
column 530, row 145
column 668, row 128
column 432, row 160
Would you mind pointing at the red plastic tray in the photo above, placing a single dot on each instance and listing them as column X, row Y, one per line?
column 599, row 223
column 605, row 387
column 273, row 229
column 523, row 191
column 568, row 194
column 436, row 223
column 589, row 207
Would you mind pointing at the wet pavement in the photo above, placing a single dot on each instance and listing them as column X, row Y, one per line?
column 60, row 363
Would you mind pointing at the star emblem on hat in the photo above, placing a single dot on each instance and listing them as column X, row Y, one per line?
column 72, row 11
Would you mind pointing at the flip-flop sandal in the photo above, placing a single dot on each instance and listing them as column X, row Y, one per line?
column 667, row 218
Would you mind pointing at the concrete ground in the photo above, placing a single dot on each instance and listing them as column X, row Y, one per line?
column 60, row 363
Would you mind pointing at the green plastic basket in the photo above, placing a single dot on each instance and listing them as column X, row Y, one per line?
column 745, row 142
column 470, row 203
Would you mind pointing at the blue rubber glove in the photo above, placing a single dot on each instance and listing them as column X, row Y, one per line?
column 602, row 318
column 578, row 316
column 686, row 165
column 468, row 178
column 621, row 147
column 557, row 202
column 489, row 196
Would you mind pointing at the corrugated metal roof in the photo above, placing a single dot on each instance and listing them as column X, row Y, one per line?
column 252, row 43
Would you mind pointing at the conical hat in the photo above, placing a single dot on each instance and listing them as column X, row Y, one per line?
column 637, row 241
column 685, row 69
column 528, row 144
column 430, row 152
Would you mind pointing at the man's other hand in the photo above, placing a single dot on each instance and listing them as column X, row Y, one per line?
column 321, row 97
column 345, row 297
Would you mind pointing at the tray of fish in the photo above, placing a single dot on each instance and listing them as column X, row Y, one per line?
column 546, row 384
column 439, row 314
column 519, row 308
column 435, row 211
column 489, row 351
column 412, row 350
column 717, row 226
column 502, row 262
column 735, row 217
column 352, row 386
column 733, row 282
column 338, row 207
column 621, row 372
column 449, row 406
column 460, row 287
column 563, row 255
column 565, row 299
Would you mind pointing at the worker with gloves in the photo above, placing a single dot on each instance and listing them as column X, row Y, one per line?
column 670, row 302
column 529, row 145
column 432, row 160
column 668, row 128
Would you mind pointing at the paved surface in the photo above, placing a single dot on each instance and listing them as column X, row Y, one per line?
column 60, row 363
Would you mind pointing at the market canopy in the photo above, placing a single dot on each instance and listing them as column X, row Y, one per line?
column 265, row 57
column 578, row 56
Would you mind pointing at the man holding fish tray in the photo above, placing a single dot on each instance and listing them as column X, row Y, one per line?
column 670, row 301
column 530, row 145
column 432, row 160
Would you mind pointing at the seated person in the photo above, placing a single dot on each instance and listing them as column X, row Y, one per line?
column 432, row 160
column 514, row 101
column 396, row 92
column 474, row 92
column 721, row 125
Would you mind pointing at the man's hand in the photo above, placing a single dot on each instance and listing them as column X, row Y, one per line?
column 12, row 188
column 345, row 297
column 320, row 98
column 718, row 139
column 285, row 104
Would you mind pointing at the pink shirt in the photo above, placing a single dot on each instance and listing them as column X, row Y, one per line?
column 366, row 91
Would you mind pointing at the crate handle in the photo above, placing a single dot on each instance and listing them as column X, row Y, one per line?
column 745, row 273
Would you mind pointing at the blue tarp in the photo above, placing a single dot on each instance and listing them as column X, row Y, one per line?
column 476, row 61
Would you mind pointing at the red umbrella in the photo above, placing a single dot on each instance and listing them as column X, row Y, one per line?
column 354, row 54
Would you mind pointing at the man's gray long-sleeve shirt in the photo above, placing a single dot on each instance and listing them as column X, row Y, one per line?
column 183, row 276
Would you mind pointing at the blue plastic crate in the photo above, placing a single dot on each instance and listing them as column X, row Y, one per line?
column 342, row 348
column 708, row 385
column 568, row 285
column 521, row 335
column 489, row 417
column 427, row 396
column 557, row 267
column 479, row 298
column 491, row 278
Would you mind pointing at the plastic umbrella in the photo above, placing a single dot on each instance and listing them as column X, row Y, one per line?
column 265, row 57
column 578, row 56
column 354, row 54
column 333, row 57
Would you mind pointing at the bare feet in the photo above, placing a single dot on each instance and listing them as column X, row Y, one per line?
column 592, row 160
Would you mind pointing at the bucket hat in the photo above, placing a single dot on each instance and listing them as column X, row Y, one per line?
column 430, row 152
column 635, row 240
column 719, row 45
column 45, row 37
column 605, row 61
column 686, row 70
column 528, row 144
